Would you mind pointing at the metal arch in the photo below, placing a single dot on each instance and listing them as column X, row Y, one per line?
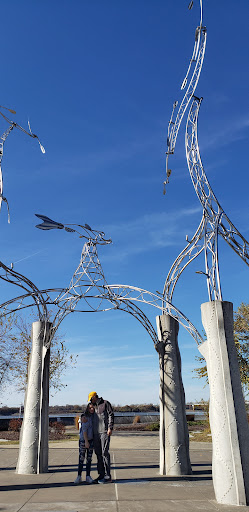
column 137, row 313
column 89, row 284
column 217, row 222
column 188, row 254
column 125, row 293
column 211, row 259
column 9, row 275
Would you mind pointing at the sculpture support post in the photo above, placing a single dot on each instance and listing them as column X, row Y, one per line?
column 33, row 451
column 174, row 437
column 228, row 421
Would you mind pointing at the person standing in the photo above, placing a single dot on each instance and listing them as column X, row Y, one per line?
column 103, row 422
column 86, row 444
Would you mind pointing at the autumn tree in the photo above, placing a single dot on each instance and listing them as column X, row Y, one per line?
column 15, row 349
column 241, row 339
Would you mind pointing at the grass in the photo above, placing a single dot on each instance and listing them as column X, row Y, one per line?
column 201, row 436
column 8, row 442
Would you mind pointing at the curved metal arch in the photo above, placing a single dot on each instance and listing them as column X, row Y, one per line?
column 12, row 277
column 174, row 126
column 125, row 293
column 188, row 254
column 89, row 284
column 219, row 222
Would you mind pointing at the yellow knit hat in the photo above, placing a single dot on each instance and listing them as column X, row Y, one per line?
column 93, row 393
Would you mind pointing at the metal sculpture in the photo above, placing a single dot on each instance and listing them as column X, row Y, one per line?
column 88, row 285
column 3, row 138
column 196, row 63
column 228, row 421
column 214, row 220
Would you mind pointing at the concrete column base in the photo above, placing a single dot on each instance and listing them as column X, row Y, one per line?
column 33, row 450
column 174, row 437
column 228, row 421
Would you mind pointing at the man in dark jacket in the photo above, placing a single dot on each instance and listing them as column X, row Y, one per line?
column 103, row 421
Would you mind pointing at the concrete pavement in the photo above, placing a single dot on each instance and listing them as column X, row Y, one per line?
column 137, row 485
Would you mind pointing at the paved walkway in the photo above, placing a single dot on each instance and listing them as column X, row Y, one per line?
column 137, row 485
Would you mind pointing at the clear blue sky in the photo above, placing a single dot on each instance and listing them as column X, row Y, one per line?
column 97, row 81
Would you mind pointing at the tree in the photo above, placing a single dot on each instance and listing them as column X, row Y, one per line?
column 8, row 349
column 241, row 339
column 15, row 349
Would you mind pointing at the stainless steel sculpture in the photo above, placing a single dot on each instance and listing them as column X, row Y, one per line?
column 88, row 291
column 228, row 421
column 88, row 285
column 195, row 66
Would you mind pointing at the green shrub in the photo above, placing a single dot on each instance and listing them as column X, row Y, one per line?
column 153, row 426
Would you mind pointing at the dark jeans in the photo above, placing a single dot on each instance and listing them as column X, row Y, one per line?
column 101, row 448
column 88, row 452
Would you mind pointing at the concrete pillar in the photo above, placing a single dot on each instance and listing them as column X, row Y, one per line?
column 44, row 418
column 174, row 437
column 227, row 414
column 33, row 450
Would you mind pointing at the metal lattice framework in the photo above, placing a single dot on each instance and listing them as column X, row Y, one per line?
column 88, row 283
column 88, row 290
column 195, row 66
column 214, row 220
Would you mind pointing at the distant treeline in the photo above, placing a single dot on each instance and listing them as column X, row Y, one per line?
column 60, row 409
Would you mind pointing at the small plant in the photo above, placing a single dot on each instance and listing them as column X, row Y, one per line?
column 153, row 427
column 15, row 425
column 57, row 430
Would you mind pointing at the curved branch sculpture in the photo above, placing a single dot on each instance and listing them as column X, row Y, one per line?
column 214, row 220
column 197, row 59
column 217, row 222
column 3, row 138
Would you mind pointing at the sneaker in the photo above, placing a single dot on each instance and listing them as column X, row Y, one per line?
column 89, row 480
column 78, row 480
column 108, row 478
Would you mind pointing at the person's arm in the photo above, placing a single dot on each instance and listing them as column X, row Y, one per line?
column 110, row 413
column 84, row 430
column 86, row 439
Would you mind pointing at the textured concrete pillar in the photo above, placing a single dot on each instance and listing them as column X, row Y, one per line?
column 44, row 418
column 228, row 421
column 174, row 437
column 33, row 450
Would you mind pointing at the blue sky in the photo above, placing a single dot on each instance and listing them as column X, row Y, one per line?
column 97, row 81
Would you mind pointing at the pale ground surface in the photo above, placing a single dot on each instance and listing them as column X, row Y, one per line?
column 137, row 485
